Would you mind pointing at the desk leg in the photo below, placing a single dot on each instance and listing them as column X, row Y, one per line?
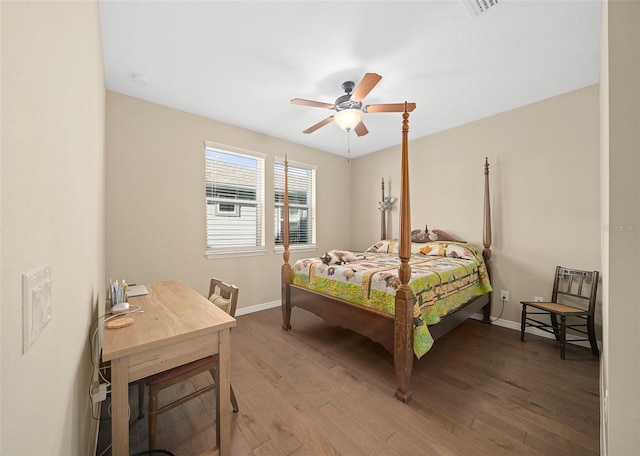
column 223, row 395
column 120, row 407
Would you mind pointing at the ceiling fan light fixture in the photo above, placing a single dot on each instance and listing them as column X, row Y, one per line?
column 348, row 119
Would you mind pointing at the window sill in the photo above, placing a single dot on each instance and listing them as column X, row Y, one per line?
column 296, row 248
column 214, row 255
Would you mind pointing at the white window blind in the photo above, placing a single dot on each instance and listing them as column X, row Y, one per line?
column 234, row 200
column 302, row 203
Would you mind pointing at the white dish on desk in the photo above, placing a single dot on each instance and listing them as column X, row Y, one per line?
column 120, row 308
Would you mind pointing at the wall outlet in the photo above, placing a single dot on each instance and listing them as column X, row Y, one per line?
column 538, row 299
column 99, row 394
column 504, row 295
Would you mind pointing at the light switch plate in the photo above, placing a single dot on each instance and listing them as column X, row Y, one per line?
column 36, row 303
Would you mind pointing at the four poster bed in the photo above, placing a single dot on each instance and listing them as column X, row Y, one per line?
column 376, row 295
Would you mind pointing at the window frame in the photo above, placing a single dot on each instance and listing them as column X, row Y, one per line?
column 311, row 245
column 238, row 250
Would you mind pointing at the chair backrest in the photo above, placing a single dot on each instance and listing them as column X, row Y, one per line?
column 573, row 287
column 224, row 295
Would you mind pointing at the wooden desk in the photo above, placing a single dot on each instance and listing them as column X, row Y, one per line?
column 178, row 326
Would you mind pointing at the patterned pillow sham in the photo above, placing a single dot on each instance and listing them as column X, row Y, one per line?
column 448, row 249
column 382, row 246
column 392, row 246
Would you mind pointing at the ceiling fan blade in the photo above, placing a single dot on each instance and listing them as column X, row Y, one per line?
column 315, row 104
column 368, row 82
column 360, row 129
column 320, row 124
column 391, row 107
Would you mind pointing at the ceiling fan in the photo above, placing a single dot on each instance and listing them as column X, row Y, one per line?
column 349, row 108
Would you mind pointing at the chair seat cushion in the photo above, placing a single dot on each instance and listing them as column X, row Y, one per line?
column 557, row 308
column 161, row 377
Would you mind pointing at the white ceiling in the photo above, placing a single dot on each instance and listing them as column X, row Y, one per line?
column 241, row 62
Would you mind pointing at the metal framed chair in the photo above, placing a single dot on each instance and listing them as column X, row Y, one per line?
column 224, row 296
column 573, row 299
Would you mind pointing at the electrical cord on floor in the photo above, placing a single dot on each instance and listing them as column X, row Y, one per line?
column 143, row 452
column 154, row 451
column 499, row 316
column 105, row 450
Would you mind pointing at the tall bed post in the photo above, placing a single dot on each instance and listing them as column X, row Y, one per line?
column 383, row 217
column 486, row 238
column 403, row 320
column 286, row 267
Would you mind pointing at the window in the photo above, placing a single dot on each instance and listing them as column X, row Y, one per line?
column 234, row 200
column 302, row 203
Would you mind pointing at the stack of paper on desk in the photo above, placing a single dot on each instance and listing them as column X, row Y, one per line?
column 136, row 290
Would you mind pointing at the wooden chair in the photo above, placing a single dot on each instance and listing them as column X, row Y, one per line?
column 224, row 296
column 577, row 292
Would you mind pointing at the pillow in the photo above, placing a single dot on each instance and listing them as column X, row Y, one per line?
column 223, row 303
column 448, row 249
column 384, row 246
column 416, row 247
column 392, row 246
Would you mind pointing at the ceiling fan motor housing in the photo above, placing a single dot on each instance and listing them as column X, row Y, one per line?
column 344, row 102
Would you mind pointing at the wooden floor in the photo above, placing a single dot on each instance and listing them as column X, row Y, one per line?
column 318, row 390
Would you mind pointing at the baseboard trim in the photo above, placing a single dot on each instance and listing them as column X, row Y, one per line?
column 257, row 308
column 515, row 325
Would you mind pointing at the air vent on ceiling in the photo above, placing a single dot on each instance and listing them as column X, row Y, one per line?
column 477, row 7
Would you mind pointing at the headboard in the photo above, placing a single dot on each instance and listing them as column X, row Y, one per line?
column 422, row 236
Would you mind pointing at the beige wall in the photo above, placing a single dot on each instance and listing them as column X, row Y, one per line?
column 545, row 154
column 155, row 199
column 544, row 173
column 52, row 193
column 52, row 207
column 620, row 94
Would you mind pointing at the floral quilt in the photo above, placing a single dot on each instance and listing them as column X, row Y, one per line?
column 444, row 276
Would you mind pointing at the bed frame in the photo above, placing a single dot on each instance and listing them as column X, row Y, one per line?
column 394, row 332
